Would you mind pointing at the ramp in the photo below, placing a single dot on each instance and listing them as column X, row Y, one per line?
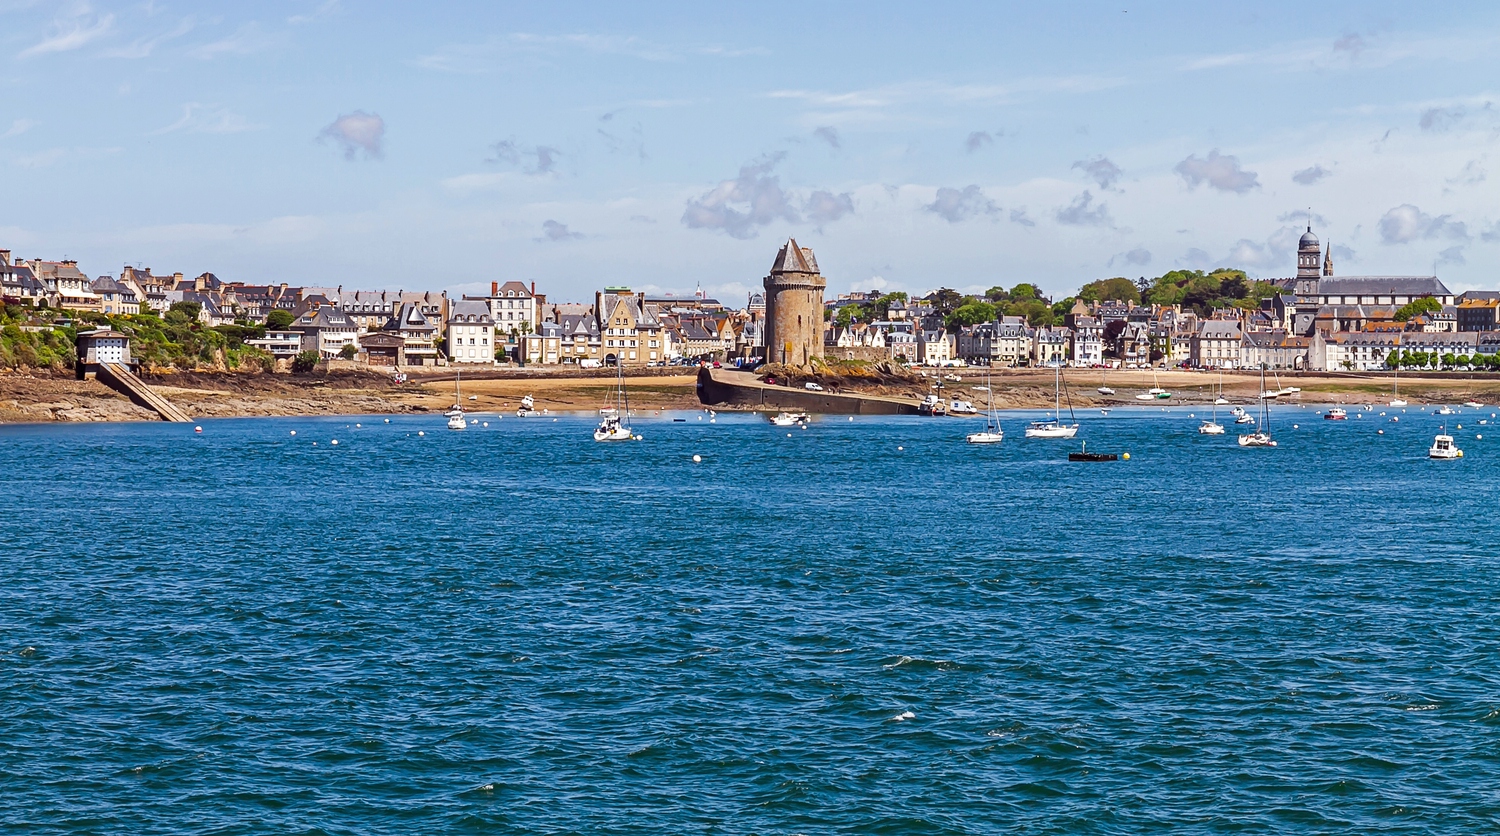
column 122, row 380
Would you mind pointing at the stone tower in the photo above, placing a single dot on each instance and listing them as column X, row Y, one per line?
column 1308, row 256
column 794, row 307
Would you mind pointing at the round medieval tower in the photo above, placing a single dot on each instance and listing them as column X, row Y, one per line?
column 794, row 307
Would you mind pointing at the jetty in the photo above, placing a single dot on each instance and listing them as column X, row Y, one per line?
column 104, row 355
column 723, row 387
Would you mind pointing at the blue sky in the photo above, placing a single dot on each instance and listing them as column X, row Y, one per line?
column 663, row 146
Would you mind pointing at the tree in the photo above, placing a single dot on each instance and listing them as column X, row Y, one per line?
column 946, row 300
column 970, row 313
column 305, row 362
column 279, row 319
column 183, row 312
column 1393, row 359
column 1426, row 304
column 1025, row 290
column 348, row 352
column 1450, row 360
column 1110, row 289
column 996, row 294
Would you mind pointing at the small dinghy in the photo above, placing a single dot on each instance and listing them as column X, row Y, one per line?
column 1085, row 456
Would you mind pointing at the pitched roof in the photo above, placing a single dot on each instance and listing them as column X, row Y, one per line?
column 794, row 259
column 1382, row 286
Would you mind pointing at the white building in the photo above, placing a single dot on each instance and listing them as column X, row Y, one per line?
column 471, row 333
column 513, row 307
column 1216, row 345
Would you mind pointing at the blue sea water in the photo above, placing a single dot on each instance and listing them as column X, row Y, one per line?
column 865, row 627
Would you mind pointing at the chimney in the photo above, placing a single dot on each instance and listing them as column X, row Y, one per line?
column 533, row 288
column 5, row 257
column 494, row 288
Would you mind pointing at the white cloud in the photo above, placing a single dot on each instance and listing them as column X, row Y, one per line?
column 355, row 132
column 739, row 206
column 823, row 207
column 1472, row 174
column 1101, row 171
column 1310, row 175
column 554, row 231
column 207, row 119
column 1407, row 223
column 70, row 33
column 956, row 205
column 247, row 40
column 1219, row 171
column 1082, row 212
column 18, row 127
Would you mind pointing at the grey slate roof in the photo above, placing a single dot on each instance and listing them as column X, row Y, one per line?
column 1382, row 286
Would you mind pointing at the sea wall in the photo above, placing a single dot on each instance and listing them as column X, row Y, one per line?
column 745, row 395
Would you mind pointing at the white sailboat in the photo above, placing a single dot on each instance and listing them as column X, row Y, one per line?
column 456, row 414
column 1262, row 435
column 1220, row 400
column 616, row 424
column 1212, row 425
column 1396, row 386
column 991, row 434
column 1103, row 389
column 1055, row 428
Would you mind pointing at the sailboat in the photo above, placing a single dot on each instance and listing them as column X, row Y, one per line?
column 1396, row 386
column 1262, row 435
column 1156, row 392
column 992, row 433
column 616, row 423
column 456, row 414
column 1055, row 428
column 1103, row 389
column 1212, row 425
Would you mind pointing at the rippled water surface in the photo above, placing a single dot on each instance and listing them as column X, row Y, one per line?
column 865, row 627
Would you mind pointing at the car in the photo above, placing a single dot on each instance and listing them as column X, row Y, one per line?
column 812, row 387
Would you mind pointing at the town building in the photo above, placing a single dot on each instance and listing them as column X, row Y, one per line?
column 470, row 333
column 418, row 333
column 326, row 330
column 1216, row 345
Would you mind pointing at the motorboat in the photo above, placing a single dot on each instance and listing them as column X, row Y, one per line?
column 1085, row 456
column 1447, row 410
column 1338, row 413
column 957, row 407
column 932, row 405
column 1237, row 411
column 1054, row 428
column 1474, row 404
column 789, row 419
column 991, row 434
column 1221, row 401
column 528, row 408
column 1443, row 448
column 1244, row 419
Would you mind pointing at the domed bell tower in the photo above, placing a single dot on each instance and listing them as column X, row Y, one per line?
column 1309, row 254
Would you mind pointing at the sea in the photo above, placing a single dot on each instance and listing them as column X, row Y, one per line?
column 862, row 627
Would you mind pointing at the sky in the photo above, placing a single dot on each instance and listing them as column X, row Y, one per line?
column 671, row 146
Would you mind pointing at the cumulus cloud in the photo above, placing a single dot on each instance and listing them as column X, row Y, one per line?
column 1019, row 216
column 1219, row 171
column 824, row 207
column 554, row 231
column 828, row 134
column 1083, row 212
column 1196, row 259
column 955, row 205
column 1309, row 176
column 1101, row 171
column 739, row 206
column 1302, row 217
column 1138, row 257
column 1440, row 118
column 355, row 132
column 1407, row 223
column 978, row 140
column 540, row 159
column 1452, row 255
column 1492, row 234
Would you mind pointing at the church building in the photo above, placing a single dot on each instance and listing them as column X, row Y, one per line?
column 1319, row 295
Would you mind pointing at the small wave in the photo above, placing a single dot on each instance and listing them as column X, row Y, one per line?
column 904, row 716
column 1430, row 706
column 919, row 663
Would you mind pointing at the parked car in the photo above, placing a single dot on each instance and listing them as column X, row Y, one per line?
column 812, row 387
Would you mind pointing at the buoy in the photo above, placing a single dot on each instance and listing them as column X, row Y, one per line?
column 387, row 420
column 1125, row 456
column 697, row 458
column 1460, row 426
column 804, row 426
column 789, row 435
column 486, row 423
column 1380, row 432
column 851, row 417
column 1479, row 436
column 197, row 429
column 334, row 442
column 357, row 426
column 1295, row 427
column 294, row 432
column 898, row 448
column 419, row 432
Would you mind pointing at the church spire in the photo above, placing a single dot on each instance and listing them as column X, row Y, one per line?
column 1328, row 260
